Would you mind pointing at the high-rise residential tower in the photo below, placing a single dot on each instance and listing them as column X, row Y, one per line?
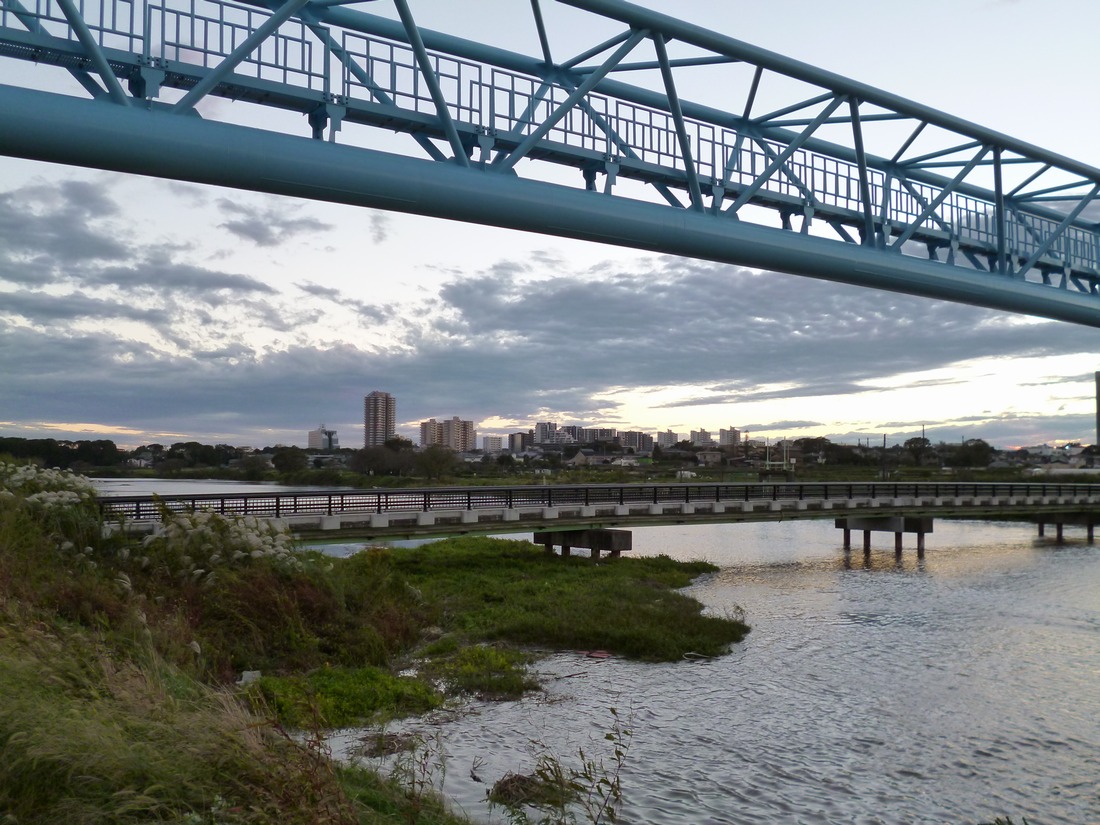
column 379, row 418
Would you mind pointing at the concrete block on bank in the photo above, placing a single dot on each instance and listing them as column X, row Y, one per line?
column 622, row 510
column 588, row 512
column 380, row 520
column 656, row 509
column 800, row 505
column 425, row 519
column 775, row 506
column 549, row 512
column 330, row 523
column 469, row 517
column 687, row 509
column 511, row 515
column 826, row 505
column 746, row 507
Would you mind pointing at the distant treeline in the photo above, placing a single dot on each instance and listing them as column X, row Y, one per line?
column 64, row 454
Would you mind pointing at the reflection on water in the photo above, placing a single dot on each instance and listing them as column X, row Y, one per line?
column 949, row 689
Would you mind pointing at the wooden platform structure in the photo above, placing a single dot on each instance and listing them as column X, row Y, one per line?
column 597, row 540
column 898, row 525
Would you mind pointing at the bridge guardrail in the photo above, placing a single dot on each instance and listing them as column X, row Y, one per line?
column 334, row 502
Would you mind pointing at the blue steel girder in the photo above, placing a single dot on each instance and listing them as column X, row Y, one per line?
column 892, row 179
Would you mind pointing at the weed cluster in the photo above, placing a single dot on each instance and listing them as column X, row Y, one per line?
column 557, row 792
column 115, row 663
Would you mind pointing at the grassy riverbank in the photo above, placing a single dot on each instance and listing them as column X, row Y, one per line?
column 119, row 661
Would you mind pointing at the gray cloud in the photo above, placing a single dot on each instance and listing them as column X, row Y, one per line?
column 164, row 276
column 42, row 308
column 379, row 227
column 499, row 343
column 267, row 226
column 780, row 425
column 365, row 311
column 55, row 223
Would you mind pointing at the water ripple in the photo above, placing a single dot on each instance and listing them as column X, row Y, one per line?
column 949, row 691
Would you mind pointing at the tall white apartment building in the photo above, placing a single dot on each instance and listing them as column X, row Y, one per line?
column 491, row 443
column 379, row 418
column 545, row 432
column 729, row 438
column 668, row 439
column 701, row 438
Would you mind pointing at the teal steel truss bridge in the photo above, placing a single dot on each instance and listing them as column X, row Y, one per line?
column 654, row 134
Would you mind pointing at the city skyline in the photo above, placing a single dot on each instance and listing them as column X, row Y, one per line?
column 150, row 311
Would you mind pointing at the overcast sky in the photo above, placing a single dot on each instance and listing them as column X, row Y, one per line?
column 153, row 311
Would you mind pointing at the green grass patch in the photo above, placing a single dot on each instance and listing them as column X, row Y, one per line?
column 507, row 591
column 485, row 671
column 335, row 697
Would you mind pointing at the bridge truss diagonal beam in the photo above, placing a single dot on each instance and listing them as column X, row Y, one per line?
column 872, row 174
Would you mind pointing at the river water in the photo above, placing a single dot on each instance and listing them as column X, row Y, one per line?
column 950, row 689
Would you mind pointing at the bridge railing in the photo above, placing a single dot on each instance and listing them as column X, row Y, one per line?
column 642, row 139
column 333, row 502
column 952, row 192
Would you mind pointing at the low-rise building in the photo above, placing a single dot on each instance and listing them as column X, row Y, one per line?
column 322, row 439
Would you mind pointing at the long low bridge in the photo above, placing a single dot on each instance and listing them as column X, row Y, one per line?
column 388, row 514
